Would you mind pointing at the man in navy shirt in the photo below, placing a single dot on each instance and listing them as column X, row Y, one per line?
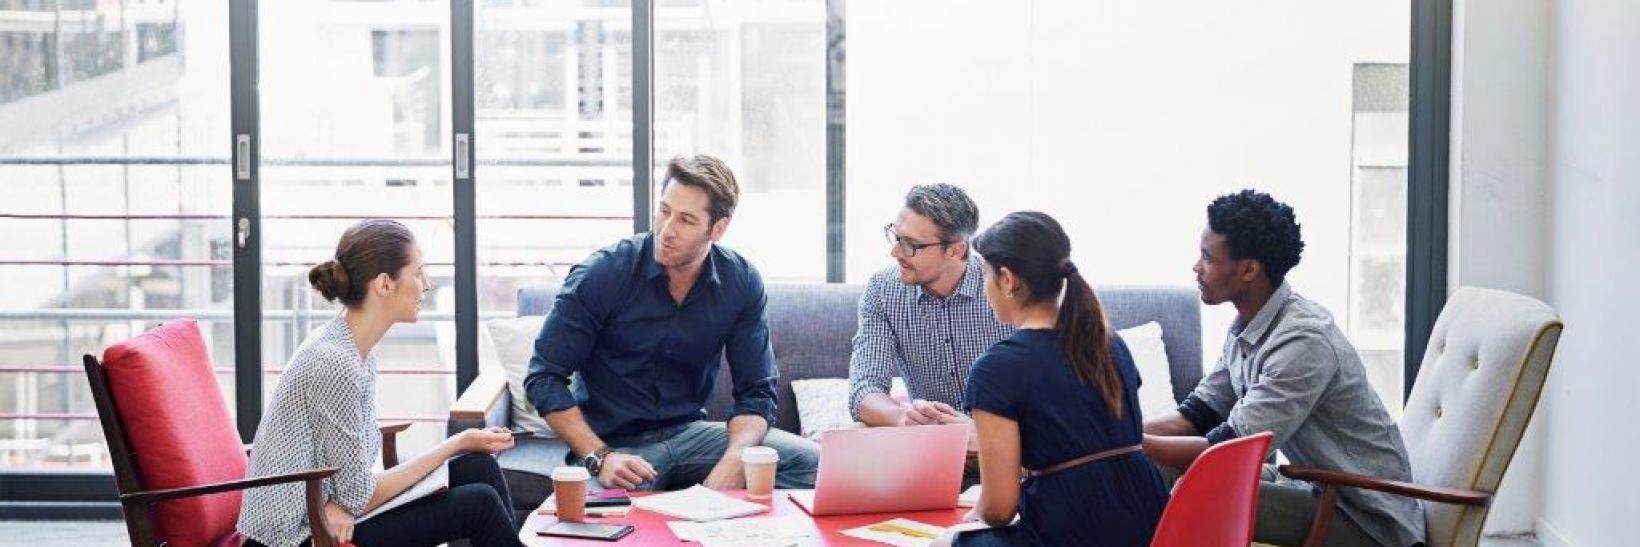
column 644, row 322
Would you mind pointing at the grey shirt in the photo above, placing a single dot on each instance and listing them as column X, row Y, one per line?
column 929, row 341
column 1291, row 371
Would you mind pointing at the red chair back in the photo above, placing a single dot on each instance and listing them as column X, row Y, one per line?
column 170, row 428
column 1214, row 503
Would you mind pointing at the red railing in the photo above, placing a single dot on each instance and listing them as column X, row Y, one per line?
column 53, row 369
column 205, row 216
column 78, row 416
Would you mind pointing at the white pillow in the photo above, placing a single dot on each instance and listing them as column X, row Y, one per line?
column 822, row 405
column 512, row 344
column 1150, row 356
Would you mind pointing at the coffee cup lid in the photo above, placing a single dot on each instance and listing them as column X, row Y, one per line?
column 759, row 454
column 570, row 473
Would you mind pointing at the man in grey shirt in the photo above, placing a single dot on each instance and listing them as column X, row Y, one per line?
column 924, row 319
column 1289, row 370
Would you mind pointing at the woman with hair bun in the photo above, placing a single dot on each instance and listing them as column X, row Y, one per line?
column 323, row 414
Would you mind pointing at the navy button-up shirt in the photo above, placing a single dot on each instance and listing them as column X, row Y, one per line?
column 646, row 361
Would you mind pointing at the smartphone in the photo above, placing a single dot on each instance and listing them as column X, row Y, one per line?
column 587, row 530
column 516, row 433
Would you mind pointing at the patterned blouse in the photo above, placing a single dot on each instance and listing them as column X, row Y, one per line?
column 323, row 414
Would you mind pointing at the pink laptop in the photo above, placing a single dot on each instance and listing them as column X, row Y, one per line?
column 887, row 469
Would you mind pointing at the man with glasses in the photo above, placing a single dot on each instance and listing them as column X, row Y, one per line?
column 925, row 319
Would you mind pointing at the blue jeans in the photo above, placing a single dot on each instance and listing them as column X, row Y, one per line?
column 684, row 455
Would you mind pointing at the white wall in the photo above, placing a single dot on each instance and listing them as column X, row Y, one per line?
column 1590, row 489
column 1121, row 119
column 1545, row 188
column 1500, row 170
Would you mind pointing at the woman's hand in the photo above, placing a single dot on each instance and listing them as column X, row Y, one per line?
column 339, row 522
column 487, row 441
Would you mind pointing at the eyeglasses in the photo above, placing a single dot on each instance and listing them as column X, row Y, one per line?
column 906, row 246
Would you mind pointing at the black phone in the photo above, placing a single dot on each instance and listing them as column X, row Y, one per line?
column 587, row 530
column 516, row 433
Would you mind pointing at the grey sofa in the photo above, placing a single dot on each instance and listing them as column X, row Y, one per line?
column 811, row 327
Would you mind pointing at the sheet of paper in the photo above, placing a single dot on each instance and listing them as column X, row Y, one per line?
column 898, row 532
column 698, row 503
column 746, row 532
column 435, row 482
column 969, row 497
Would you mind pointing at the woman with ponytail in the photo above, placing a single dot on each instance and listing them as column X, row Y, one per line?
column 1055, row 405
column 323, row 414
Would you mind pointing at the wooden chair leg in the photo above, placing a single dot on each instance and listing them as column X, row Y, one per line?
column 1323, row 517
column 317, row 526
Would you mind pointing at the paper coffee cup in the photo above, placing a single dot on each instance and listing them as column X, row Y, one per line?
column 569, row 489
column 760, row 463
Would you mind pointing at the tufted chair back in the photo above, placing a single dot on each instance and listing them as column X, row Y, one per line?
column 1485, row 365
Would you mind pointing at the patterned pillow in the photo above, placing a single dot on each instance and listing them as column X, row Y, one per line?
column 822, row 405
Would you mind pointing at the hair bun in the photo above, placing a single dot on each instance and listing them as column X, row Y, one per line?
column 330, row 279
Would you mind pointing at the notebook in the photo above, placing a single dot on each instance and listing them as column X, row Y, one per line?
column 433, row 483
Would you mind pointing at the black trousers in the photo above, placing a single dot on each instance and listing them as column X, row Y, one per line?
column 477, row 508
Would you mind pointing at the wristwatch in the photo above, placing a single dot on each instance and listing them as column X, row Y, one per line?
column 594, row 462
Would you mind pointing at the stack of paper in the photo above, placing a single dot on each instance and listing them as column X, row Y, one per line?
column 698, row 503
column 748, row 532
column 908, row 533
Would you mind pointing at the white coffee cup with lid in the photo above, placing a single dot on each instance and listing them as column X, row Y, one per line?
column 569, row 489
column 760, row 463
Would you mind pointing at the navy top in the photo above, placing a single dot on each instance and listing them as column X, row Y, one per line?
column 647, row 362
column 1115, row 501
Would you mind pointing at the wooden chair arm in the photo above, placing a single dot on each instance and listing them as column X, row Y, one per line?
column 1331, row 481
column 150, row 497
column 480, row 398
column 390, row 442
column 1430, row 493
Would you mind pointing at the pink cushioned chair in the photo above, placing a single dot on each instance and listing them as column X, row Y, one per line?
column 178, row 461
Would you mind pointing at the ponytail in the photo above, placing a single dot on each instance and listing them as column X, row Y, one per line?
column 1085, row 339
column 1035, row 248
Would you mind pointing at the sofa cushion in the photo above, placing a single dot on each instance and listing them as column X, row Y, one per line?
column 513, row 343
column 1149, row 352
column 822, row 405
column 178, row 427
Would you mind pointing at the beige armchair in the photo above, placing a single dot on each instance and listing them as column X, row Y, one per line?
column 1485, row 366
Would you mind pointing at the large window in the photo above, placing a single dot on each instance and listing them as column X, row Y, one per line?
column 553, row 126
column 355, row 124
column 1124, row 120
column 745, row 81
column 116, row 209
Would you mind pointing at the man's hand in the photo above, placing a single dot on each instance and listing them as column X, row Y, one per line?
column 728, row 474
column 339, row 522
column 921, row 412
column 625, row 471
